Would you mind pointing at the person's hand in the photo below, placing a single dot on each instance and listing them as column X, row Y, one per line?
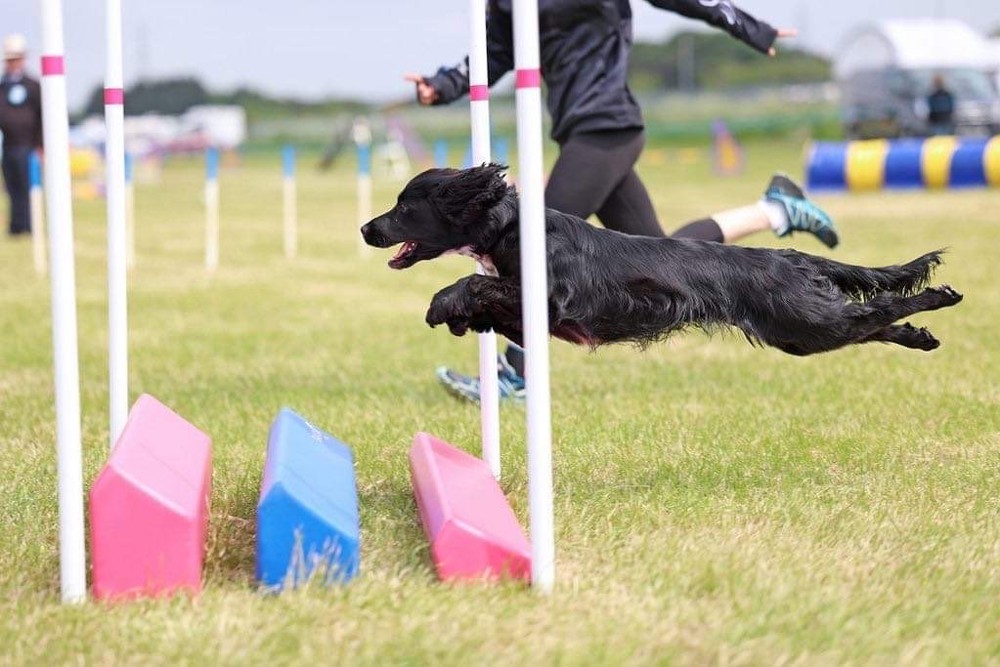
column 426, row 93
column 783, row 32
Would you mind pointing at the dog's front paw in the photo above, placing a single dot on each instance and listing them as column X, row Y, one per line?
column 450, row 306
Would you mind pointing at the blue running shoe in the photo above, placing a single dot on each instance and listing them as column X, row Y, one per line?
column 466, row 387
column 801, row 214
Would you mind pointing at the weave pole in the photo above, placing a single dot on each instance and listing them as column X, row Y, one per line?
column 211, row 208
column 479, row 108
column 69, row 467
column 129, row 211
column 534, row 287
column 290, row 222
column 37, row 203
column 114, row 164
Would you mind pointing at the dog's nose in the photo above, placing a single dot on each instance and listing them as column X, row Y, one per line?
column 372, row 235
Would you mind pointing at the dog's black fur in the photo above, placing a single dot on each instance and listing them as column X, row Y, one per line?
column 606, row 287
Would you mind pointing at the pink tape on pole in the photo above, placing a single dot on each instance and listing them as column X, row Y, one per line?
column 114, row 96
column 479, row 93
column 52, row 66
column 528, row 78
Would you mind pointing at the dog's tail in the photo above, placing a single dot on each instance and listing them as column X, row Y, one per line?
column 862, row 283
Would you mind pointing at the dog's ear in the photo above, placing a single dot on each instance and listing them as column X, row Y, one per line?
column 469, row 194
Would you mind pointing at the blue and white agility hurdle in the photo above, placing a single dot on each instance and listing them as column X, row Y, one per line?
column 307, row 517
column 935, row 162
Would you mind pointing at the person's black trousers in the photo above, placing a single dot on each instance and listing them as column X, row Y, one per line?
column 15, row 178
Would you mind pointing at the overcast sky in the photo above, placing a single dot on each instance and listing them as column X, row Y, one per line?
column 312, row 48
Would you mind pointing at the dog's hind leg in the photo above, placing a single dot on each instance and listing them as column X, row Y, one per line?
column 871, row 320
column 861, row 281
column 884, row 309
column 861, row 322
column 906, row 335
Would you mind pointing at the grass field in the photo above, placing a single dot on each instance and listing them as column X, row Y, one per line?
column 715, row 503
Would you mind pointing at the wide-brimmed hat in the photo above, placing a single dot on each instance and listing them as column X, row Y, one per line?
column 14, row 46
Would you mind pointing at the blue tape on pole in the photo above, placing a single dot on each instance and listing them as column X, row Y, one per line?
column 288, row 161
column 34, row 170
column 440, row 153
column 129, row 167
column 500, row 150
column 827, row 166
column 212, row 164
column 968, row 169
column 903, row 167
column 364, row 160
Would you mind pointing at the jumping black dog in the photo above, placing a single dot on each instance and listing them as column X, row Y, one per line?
column 607, row 287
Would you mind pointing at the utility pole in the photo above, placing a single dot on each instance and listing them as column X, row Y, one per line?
column 686, row 76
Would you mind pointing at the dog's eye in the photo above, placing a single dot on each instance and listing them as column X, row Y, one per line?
column 402, row 209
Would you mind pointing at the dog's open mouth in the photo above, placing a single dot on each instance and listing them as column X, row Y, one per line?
column 404, row 256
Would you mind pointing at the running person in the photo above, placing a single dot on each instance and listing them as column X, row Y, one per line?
column 597, row 123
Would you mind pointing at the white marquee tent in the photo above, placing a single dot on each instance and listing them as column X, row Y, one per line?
column 914, row 44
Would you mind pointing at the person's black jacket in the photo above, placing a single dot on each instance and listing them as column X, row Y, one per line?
column 20, row 112
column 585, row 48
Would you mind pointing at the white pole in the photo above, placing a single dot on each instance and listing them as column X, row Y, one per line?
column 211, row 208
column 114, row 161
column 37, row 214
column 129, row 212
column 534, row 289
column 55, row 124
column 363, row 140
column 291, row 213
column 479, row 105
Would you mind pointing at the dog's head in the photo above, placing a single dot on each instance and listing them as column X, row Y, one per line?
column 440, row 211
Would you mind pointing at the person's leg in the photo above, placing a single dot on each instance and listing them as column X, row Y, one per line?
column 705, row 229
column 589, row 168
column 628, row 209
column 783, row 209
column 9, row 179
column 20, row 192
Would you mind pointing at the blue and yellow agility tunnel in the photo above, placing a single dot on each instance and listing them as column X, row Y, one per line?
column 936, row 162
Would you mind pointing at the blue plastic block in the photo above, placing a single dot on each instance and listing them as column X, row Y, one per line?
column 307, row 516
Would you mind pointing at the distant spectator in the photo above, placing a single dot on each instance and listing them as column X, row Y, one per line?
column 941, row 108
column 21, row 124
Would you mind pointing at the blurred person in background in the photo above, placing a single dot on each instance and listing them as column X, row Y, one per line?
column 941, row 108
column 21, row 124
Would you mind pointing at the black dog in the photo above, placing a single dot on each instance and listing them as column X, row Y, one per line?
column 607, row 287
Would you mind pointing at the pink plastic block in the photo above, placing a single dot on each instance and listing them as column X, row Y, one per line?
column 149, row 506
column 472, row 531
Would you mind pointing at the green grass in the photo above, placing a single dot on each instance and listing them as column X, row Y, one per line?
column 715, row 503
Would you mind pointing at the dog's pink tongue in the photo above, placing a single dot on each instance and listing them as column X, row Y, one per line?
column 403, row 251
